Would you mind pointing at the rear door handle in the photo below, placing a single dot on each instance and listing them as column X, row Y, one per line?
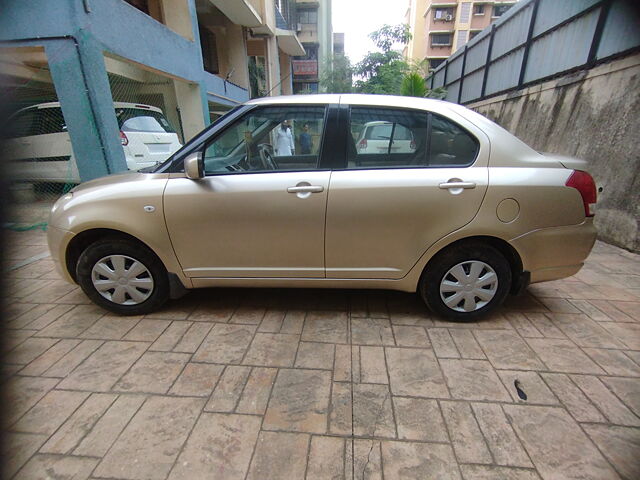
column 306, row 189
column 447, row 185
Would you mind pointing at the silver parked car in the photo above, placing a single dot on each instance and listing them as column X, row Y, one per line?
column 465, row 216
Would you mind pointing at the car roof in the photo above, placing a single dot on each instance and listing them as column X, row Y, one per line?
column 353, row 99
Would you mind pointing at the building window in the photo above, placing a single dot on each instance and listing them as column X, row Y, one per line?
column 473, row 33
column 308, row 17
column 311, row 52
column 305, row 88
column 436, row 62
column 440, row 39
column 478, row 9
column 499, row 10
column 443, row 14
column 209, row 50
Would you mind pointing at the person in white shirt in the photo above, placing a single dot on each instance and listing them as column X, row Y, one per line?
column 284, row 140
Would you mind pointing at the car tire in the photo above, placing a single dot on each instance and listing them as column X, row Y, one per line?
column 138, row 277
column 466, row 281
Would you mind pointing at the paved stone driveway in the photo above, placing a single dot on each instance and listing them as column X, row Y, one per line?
column 269, row 384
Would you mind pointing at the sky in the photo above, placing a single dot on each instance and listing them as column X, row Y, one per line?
column 358, row 18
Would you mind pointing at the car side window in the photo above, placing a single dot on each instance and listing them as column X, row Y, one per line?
column 387, row 138
column 450, row 145
column 268, row 139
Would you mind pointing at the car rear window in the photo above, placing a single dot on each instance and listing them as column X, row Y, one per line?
column 139, row 120
column 383, row 132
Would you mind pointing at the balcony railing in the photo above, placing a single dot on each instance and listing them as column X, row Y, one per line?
column 286, row 14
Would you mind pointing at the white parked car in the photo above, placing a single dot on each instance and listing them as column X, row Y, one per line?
column 375, row 137
column 38, row 147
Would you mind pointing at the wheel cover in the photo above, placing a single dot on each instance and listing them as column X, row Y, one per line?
column 468, row 286
column 122, row 280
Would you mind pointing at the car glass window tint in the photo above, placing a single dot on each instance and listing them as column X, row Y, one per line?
column 450, row 144
column 266, row 139
column 387, row 138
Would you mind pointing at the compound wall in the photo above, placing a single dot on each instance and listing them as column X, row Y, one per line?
column 593, row 115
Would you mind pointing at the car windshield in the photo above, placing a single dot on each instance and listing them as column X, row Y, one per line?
column 141, row 120
column 196, row 139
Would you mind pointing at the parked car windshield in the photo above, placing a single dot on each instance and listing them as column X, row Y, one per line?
column 139, row 120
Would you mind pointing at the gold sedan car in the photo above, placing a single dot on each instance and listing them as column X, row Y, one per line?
column 277, row 194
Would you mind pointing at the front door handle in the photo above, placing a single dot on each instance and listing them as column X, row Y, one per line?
column 306, row 189
column 448, row 185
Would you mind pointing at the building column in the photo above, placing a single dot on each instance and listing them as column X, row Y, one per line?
column 273, row 67
column 178, row 15
column 237, row 45
column 286, row 74
column 191, row 102
column 82, row 85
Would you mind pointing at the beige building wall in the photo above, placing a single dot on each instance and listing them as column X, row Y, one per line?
column 244, row 28
column 431, row 20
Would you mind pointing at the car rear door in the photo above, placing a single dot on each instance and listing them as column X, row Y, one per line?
column 253, row 216
column 384, row 210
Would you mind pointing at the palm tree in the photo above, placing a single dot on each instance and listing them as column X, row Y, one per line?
column 413, row 85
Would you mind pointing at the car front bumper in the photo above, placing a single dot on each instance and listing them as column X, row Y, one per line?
column 58, row 240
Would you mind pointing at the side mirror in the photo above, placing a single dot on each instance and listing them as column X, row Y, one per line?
column 194, row 166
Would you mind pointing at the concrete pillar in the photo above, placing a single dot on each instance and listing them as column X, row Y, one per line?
column 194, row 114
column 237, row 55
column 82, row 86
column 286, row 76
column 177, row 16
column 273, row 67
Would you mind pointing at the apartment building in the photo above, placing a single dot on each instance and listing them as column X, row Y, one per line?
column 440, row 28
column 192, row 59
column 316, row 34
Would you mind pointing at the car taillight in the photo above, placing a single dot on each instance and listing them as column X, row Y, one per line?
column 123, row 138
column 583, row 182
column 362, row 144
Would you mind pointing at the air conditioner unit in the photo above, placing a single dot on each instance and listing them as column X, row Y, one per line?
column 448, row 18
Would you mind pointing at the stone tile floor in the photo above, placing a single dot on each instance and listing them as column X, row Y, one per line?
column 269, row 384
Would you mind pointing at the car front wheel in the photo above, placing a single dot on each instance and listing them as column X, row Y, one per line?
column 466, row 281
column 123, row 277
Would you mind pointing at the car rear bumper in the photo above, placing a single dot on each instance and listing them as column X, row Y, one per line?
column 556, row 252
column 58, row 240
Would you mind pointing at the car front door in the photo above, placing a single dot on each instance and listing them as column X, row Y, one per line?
column 386, row 208
column 259, row 211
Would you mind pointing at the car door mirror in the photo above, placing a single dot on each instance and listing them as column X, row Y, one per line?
column 194, row 166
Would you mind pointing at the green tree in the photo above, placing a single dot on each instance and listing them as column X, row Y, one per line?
column 413, row 85
column 382, row 72
column 336, row 75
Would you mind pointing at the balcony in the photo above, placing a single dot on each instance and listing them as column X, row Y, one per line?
column 240, row 12
column 286, row 27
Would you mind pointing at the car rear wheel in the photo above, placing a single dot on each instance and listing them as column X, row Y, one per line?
column 466, row 281
column 123, row 277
